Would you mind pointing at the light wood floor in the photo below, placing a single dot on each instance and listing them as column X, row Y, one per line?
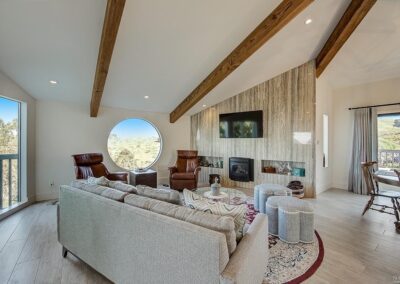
column 357, row 249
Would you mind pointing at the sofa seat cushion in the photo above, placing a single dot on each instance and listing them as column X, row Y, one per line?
column 100, row 190
column 183, row 176
column 237, row 212
column 167, row 195
column 222, row 224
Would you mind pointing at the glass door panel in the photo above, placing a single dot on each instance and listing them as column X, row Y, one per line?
column 9, row 152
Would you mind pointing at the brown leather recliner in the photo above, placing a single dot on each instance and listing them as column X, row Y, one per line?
column 185, row 173
column 91, row 165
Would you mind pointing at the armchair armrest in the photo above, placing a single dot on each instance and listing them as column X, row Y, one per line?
column 197, row 170
column 121, row 176
column 172, row 170
column 247, row 263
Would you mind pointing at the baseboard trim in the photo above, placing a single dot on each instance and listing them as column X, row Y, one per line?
column 46, row 196
column 340, row 186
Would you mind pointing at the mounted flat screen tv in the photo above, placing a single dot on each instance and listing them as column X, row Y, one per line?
column 241, row 124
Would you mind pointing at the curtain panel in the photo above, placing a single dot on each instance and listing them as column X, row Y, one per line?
column 365, row 147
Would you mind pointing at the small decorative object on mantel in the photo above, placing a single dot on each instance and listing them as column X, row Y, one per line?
column 300, row 172
column 216, row 188
column 270, row 170
column 297, row 188
column 284, row 168
column 212, row 178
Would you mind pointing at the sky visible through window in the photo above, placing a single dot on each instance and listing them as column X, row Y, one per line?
column 8, row 110
column 134, row 128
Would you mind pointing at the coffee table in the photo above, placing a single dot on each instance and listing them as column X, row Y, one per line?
column 228, row 195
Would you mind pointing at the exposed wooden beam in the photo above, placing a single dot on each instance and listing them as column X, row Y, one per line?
column 351, row 18
column 111, row 23
column 280, row 16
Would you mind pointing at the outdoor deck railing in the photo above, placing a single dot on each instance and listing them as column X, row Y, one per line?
column 8, row 175
column 389, row 159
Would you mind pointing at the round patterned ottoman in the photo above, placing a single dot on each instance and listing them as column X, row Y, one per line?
column 263, row 191
column 290, row 218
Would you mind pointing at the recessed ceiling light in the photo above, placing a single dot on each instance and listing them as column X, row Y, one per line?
column 53, row 82
column 308, row 21
column 204, row 105
column 146, row 97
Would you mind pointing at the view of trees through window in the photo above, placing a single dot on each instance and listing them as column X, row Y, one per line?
column 9, row 147
column 134, row 144
column 389, row 140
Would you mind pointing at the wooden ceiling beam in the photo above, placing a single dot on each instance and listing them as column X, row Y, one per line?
column 111, row 23
column 280, row 16
column 352, row 17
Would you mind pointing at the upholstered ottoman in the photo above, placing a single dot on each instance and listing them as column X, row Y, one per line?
column 265, row 190
column 290, row 218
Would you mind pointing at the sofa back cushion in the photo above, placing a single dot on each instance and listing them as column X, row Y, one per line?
column 167, row 195
column 100, row 190
column 222, row 224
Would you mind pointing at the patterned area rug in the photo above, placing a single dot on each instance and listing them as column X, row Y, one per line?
column 289, row 263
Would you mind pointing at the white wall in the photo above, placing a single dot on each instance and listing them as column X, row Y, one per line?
column 9, row 89
column 323, row 176
column 65, row 129
column 381, row 92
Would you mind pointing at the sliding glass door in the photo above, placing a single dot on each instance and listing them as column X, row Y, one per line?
column 10, row 133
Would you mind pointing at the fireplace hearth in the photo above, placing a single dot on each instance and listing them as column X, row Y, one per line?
column 241, row 169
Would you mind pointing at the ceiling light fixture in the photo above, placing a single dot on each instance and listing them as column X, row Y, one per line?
column 146, row 97
column 204, row 105
column 308, row 21
column 53, row 82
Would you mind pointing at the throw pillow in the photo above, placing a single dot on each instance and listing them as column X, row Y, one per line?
column 99, row 181
column 238, row 212
column 167, row 195
column 100, row 190
column 119, row 185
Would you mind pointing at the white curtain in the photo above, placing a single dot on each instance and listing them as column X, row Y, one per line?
column 365, row 147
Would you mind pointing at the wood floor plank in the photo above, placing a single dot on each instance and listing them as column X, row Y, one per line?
column 73, row 270
column 25, row 273
column 27, row 221
column 8, row 258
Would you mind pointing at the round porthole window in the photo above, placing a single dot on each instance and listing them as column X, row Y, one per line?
column 134, row 144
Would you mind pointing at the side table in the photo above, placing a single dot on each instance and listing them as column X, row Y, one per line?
column 147, row 177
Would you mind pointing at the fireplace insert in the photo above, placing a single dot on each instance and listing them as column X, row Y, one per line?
column 241, row 169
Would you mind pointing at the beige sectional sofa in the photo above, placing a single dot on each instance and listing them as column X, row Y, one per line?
column 128, row 244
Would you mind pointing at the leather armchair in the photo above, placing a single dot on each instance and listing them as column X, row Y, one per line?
column 185, row 173
column 91, row 165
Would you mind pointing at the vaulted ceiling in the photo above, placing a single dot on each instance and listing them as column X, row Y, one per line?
column 165, row 48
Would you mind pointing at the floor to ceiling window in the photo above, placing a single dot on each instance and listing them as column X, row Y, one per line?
column 10, row 167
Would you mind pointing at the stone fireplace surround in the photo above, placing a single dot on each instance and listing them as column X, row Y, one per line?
column 288, row 105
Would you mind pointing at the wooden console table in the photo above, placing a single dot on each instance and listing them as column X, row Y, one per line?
column 148, row 177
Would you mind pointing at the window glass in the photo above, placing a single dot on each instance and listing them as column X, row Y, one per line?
column 134, row 144
column 9, row 152
column 389, row 140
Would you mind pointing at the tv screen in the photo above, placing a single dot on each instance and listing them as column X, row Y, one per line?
column 241, row 124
